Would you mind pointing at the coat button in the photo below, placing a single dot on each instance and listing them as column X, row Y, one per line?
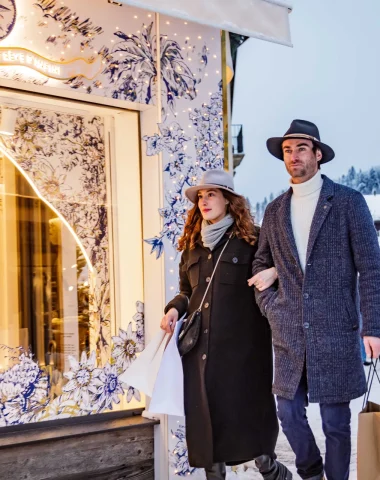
column 207, row 305
column 235, row 260
column 306, row 324
column 208, row 279
column 204, row 356
column 306, row 296
column 209, row 256
column 206, row 331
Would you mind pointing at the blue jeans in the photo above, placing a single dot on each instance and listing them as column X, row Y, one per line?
column 336, row 418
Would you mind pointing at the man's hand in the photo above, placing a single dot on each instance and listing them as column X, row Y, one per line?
column 372, row 347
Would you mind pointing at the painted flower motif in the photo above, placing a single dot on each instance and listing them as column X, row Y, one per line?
column 24, row 389
column 27, row 131
column 109, row 388
column 179, row 455
column 82, row 378
column 178, row 166
column 133, row 393
column 126, row 346
column 61, row 407
column 19, row 377
column 52, row 184
column 3, row 422
column 173, row 137
column 154, row 144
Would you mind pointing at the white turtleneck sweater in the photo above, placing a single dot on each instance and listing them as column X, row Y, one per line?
column 303, row 204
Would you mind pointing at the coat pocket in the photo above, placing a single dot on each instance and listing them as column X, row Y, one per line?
column 192, row 268
column 353, row 317
column 234, row 269
column 271, row 302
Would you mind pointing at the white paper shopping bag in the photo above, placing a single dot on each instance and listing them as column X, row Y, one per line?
column 142, row 374
column 167, row 395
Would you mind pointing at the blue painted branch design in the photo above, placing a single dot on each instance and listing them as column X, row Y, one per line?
column 132, row 68
column 182, row 170
column 70, row 23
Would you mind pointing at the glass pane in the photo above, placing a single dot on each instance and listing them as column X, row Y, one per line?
column 44, row 281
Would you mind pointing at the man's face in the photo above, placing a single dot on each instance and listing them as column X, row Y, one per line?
column 300, row 160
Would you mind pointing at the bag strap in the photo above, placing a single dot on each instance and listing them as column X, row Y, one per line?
column 371, row 374
column 213, row 273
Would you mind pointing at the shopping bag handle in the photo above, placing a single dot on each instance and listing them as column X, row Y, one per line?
column 371, row 375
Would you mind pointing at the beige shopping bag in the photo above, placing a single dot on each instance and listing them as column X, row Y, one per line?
column 369, row 435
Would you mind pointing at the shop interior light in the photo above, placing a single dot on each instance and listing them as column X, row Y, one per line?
column 4, row 151
column 8, row 121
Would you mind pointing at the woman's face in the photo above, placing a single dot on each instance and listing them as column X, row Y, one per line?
column 212, row 204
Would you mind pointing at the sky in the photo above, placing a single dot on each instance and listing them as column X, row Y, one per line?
column 331, row 77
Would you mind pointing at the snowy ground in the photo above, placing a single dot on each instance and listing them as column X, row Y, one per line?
column 285, row 454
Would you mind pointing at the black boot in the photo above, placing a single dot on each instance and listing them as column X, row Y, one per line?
column 272, row 469
column 217, row 472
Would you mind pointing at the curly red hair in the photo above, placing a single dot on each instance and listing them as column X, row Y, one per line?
column 238, row 208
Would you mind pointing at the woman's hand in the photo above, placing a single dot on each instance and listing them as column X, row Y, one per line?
column 169, row 320
column 264, row 279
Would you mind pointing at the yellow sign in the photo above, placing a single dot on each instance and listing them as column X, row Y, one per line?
column 78, row 67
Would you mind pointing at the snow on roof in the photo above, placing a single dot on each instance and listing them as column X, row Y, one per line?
column 373, row 202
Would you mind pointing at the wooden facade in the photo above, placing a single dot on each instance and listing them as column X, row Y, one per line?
column 109, row 447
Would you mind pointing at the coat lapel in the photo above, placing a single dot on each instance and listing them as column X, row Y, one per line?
column 321, row 212
column 285, row 222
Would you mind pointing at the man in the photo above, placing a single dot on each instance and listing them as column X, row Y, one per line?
column 319, row 235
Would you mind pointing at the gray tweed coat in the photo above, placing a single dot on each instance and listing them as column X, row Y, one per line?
column 314, row 315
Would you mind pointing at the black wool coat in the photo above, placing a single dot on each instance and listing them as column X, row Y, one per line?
column 229, row 406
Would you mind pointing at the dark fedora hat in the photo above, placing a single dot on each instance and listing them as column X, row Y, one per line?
column 301, row 129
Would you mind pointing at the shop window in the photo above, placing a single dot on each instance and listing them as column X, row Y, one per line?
column 66, row 333
column 44, row 295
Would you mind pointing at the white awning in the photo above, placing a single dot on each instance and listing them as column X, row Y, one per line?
column 263, row 19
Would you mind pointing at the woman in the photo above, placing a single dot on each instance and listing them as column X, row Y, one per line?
column 230, row 410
